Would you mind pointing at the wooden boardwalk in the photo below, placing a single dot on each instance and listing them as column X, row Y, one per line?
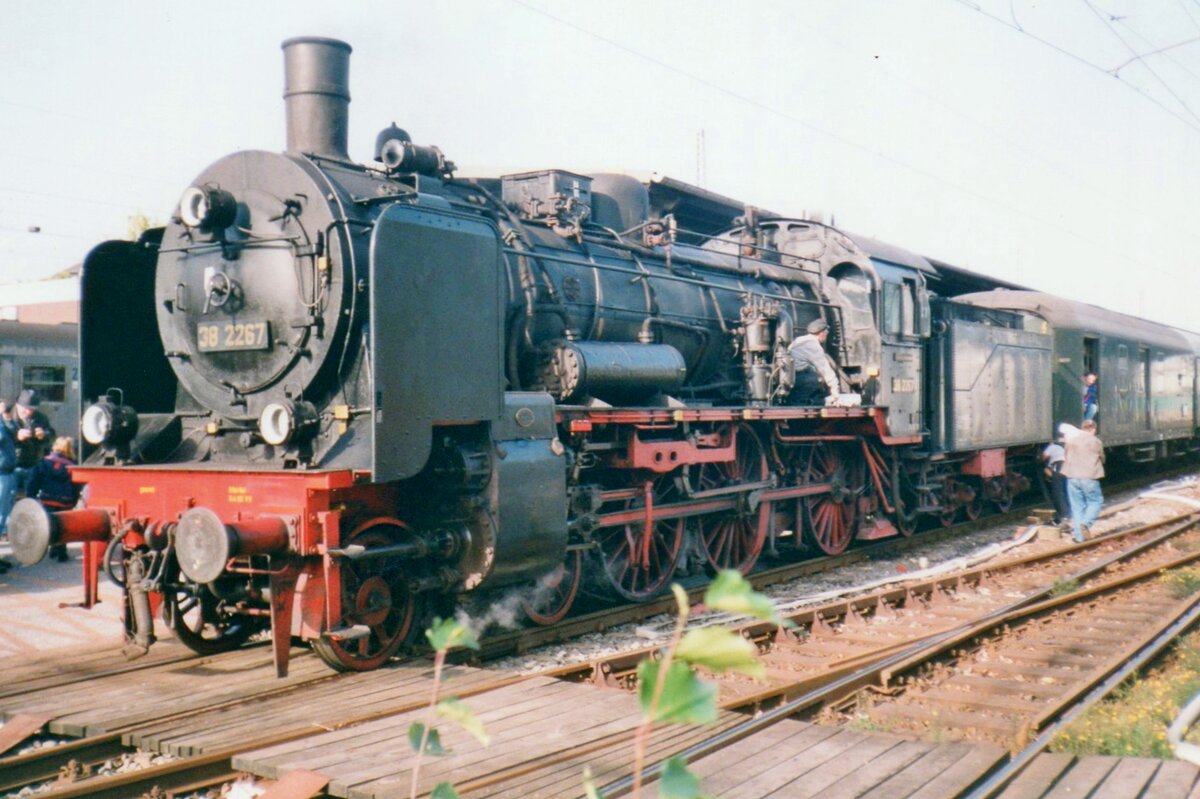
column 545, row 732
column 1068, row 777
column 353, row 729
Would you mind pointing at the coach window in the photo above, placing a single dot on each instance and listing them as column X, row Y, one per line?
column 50, row 381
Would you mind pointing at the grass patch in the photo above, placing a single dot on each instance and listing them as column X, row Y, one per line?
column 1134, row 720
column 1064, row 587
column 1182, row 582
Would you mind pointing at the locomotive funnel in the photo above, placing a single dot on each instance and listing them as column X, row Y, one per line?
column 316, row 91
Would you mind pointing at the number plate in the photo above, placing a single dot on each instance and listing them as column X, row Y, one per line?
column 228, row 336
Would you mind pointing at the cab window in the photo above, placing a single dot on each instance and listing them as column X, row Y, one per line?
column 893, row 311
column 900, row 309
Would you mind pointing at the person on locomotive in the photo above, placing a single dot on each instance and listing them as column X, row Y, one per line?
column 50, row 484
column 1083, row 467
column 815, row 377
column 1091, row 396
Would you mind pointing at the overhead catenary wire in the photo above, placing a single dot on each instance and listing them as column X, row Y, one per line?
column 1108, row 24
column 1080, row 59
column 1015, row 210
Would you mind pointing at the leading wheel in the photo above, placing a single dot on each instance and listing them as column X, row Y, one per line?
column 832, row 515
column 639, row 560
column 554, row 593
column 734, row 539
column 377, row 608
column 193, row 614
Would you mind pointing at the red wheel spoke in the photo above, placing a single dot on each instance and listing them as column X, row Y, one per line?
column 734, row 539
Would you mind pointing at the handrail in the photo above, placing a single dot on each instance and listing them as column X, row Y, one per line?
column 1179, row 728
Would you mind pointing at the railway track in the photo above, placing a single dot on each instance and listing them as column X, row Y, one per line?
column 830, row 626
column 925, row 662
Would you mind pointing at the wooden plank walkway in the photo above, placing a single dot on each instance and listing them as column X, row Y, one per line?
column 1059, row 776
column 53, row 668
column 545, row 732
column 83, row 707
column 539, row 717
column 311, row 709
column 796, row 759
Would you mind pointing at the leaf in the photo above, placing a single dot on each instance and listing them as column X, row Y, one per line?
column 676, row 782
column 433, row 744
column 443, row 790
column 681, row 599
column 685, row 698
column 589, row 786
column 458, row 712
column 446, row 634
column 730, row 592
column 721, row 650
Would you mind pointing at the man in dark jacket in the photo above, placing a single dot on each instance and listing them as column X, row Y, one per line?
column 33, row 435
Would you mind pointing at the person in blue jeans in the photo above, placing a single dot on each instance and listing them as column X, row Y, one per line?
column 8, row 478
column 1083, row 466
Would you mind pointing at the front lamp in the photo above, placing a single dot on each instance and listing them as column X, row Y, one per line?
column 283, row 422
column 207, row 208
column 107, row 423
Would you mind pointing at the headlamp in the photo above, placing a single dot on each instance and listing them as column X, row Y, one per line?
column 207, row 208
column 108, row 423
column 281, row 422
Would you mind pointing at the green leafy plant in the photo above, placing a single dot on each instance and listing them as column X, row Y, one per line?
column 444, row 635
column 671, row 692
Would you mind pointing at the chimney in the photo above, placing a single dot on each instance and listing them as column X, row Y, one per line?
column 316, row 92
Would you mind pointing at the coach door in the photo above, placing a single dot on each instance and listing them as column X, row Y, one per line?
column 1145, row 392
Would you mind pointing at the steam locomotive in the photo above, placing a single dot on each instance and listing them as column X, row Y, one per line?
column 329, row 394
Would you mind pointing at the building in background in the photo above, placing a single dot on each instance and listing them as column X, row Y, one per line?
column 48, row 302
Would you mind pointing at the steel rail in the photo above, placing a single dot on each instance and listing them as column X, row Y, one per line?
column 937, row 642
column 998, row 778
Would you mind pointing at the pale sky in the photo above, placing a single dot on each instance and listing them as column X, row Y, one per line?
column 987, row 133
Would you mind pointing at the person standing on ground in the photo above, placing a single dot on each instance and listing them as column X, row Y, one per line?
column 1083, row 466
column 33, row 435
column 50, row 484
column 8, row 478
column 1053, row 455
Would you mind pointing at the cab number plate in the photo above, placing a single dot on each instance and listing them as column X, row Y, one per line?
column 227, row 336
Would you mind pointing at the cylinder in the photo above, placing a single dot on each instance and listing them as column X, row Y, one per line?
column 317, row 96
column 33, row 530
column 611, row 371
column 204, row 543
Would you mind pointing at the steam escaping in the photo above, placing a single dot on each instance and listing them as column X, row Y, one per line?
column 507, row 612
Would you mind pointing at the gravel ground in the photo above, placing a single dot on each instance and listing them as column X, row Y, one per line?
column 995, row 542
